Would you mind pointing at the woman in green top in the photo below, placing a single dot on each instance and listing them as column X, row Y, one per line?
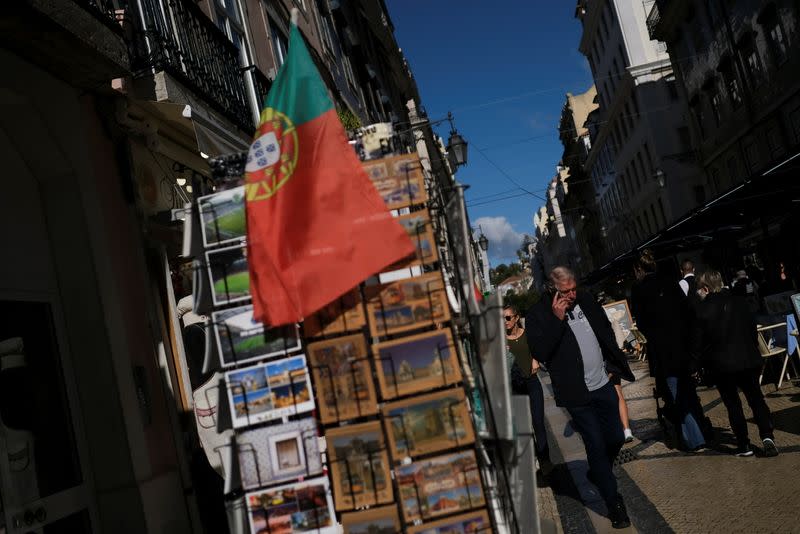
column 528, row 367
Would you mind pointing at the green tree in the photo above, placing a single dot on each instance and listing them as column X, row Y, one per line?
column 522, row 301
column 503, row 271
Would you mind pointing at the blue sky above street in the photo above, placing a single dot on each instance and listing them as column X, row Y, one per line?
column 503, row 69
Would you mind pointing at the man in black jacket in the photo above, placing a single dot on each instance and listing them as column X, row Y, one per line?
column 569, row 332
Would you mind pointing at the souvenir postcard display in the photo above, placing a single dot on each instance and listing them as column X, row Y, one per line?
column 356, row 418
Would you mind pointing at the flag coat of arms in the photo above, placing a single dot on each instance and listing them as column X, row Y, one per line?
column 316, row 225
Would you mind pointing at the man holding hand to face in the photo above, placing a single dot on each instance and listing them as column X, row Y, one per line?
column 570, row 333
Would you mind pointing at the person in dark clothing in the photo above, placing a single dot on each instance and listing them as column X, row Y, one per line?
column 663, row 315
column 569, row 333
column 528, row 367
column 688, row 283
column 725, row 342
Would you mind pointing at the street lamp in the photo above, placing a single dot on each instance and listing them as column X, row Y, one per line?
column 661, row 177
column 483, row 242
column 456, row 146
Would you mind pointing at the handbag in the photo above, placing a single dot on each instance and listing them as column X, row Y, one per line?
column 519, row 382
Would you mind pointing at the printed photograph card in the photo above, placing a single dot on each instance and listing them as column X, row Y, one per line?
column 419, row 228
column 416, row 363
column 345, row 314
column 440, row 485
column 429, row 423
column 241, row 339
column 269, row 391
column 222, row 217
column 229, row 274
column 277, row 453
column 293, row 509
column 342, row 378
column 471, row 523
column 359, row 466
column 407, row 304
column 380, row 520
column 398, row 179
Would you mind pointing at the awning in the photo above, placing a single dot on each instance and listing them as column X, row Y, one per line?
column 774, row 193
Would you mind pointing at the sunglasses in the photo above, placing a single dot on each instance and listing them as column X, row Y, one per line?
column 508, row 317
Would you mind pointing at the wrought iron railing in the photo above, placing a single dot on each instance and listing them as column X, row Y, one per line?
column 262, row 85
column 105, row 10
column 177, row 37
column 653, row 17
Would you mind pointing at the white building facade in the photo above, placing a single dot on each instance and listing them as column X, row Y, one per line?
column 641, row 161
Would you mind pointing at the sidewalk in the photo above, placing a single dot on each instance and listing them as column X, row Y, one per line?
column 667, row 490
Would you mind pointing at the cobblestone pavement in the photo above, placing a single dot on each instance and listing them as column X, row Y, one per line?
column 667, row 490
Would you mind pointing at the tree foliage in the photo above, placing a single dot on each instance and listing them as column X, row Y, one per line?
column 503, row 271
column 522, row 301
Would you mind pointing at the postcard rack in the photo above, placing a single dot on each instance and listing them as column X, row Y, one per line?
column 350, row 416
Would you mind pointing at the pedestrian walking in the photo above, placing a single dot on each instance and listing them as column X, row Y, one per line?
column 725, row 342
column 570, row 334
column 663, row 315
column 531, row 386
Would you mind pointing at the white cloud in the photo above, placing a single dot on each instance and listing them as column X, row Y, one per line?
column 503, row 239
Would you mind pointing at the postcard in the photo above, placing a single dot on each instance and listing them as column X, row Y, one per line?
column 429, row 423
column 272, row 454
column 471, row 523
column 416, row 363
column 380, row 520
column 240, row 339
column 269, row 391
column 398, row 179
column 359, row 466
column 407, row 304
column 293, row 509
column 222, row 216
column 342, row 378
column 420, row 230
column 229, row 274
column 345, row 314
column 440, row 485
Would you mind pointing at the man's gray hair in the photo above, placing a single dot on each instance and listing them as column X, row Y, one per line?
column 561, row 273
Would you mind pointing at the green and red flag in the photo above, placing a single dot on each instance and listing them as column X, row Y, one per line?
column 316, row 225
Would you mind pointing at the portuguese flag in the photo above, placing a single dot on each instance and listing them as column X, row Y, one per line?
column 316, row 226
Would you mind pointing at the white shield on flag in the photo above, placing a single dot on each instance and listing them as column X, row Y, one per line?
column 264, row 152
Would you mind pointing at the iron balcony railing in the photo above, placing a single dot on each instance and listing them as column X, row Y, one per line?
column 177, row 37
column 105, row 10
column 262, row 85
column 653, row 17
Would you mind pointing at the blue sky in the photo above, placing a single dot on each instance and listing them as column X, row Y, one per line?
column 503, row 70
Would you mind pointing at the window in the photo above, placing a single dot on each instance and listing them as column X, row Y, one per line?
column 280, row 44
column 699, row 195
column 655, row 219
column 696, row 106
column 716, row 106
column 731, row 82
column 640, row 170
column 348, row 70
column 661, row 211
column 227, row 18
column 751, row 60
column 775, row 34
column 672, row 88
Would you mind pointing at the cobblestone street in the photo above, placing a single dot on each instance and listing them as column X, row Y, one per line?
column 667, row 490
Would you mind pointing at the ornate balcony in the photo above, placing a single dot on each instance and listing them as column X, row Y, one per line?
column 177, row 37
column 105, row 10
